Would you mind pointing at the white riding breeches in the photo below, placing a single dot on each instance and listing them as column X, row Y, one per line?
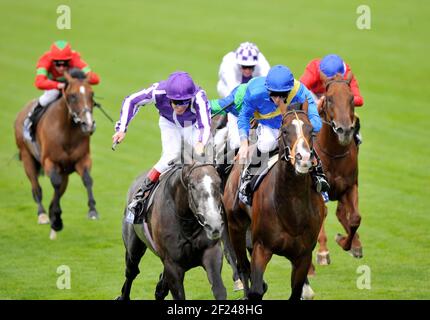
column 233, row 131
column 171, row 136
column 267, row 138
column 48, row 96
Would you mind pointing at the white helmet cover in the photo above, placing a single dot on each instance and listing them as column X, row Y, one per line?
column 247, row 54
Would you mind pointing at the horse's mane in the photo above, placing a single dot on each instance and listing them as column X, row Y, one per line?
column 77, row 74
column 188, row 156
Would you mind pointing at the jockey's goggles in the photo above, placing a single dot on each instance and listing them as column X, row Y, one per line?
column 181, row 103
column 248, row 67
column 279, row 94
column 61, row 63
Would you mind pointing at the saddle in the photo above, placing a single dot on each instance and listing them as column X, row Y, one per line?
column 148, row 199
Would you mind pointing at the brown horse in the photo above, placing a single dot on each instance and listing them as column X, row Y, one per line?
column 63, row 138
column 339, row 155
column 286, row 213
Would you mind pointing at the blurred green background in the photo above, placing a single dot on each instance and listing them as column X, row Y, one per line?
column 132, row 44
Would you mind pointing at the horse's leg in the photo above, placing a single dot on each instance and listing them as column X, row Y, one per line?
column 83, row 169
column 260, row 258
column 135, row 249
column 31, row 170
column 349, row 203
column 323, row 256
column 212, row 262
column 59, row 182
column 231, row 259
column 162, row 289
column 237, row 231
column 299, row 275
column 175, row 279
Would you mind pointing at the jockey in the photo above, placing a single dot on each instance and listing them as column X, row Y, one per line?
column 50, row 78
column 240, row 67
column 330, row 65
column 184, row 112
column 262, row 100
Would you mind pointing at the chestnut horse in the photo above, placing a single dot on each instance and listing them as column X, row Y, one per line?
column 286, row 213
column 63, row 138
column 339, row 155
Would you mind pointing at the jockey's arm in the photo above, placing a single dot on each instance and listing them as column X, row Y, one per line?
column 310, row 76
column 203, row 120
column 358, row 99
column 93, row 78
column 313, row 114
column 243, row 123
column 130, row 107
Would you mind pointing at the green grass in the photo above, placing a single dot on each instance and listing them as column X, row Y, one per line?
column 134, row 43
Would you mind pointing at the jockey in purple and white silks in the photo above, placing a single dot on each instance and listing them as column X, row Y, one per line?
column 184, row 113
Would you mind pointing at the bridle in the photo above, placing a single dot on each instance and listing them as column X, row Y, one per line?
column 200, row 218
column 75, row 115
column 289, row 154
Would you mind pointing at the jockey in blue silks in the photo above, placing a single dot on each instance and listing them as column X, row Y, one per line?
column 262, row 100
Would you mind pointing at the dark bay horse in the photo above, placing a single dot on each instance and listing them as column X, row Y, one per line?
column 183, row 229
column 63, row 137
column 339, row 155
column 286, row 213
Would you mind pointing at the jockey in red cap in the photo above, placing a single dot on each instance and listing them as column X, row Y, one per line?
column 50, row 77
column 330, row 65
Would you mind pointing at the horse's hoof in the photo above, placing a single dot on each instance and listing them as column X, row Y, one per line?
column 93, row 215
column 307, row 292
column 238, row 285
column 53, row 234
column 340, row 240
column 323, row 258
column 356, row 252
column 43, row 218
column 121, row 298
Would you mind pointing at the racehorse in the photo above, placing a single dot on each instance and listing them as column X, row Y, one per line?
column 183, row 228
column 63, row 138
column 286, row 213
column 339, row 155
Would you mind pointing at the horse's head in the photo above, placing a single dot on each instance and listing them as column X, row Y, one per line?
column 204, row 197
column 78, row 96
column 296, row 139
column 338, row 107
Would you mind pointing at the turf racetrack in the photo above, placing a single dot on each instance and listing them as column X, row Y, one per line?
column 131, row 44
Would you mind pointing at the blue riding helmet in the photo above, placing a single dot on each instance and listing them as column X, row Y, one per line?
column 279, row 79
column 331, row 65
column 180, row 86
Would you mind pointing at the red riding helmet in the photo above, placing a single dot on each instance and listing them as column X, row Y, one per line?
column 61, row 50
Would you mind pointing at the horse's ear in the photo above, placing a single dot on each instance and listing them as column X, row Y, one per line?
column 323, row 78
column 283, row 107
column 305, row 106
column 349, row 77
column 68, row 77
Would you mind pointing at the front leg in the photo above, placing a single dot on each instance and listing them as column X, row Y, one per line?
column 212, row 262
column 83, row 169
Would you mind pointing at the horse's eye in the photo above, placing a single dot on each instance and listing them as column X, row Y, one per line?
column 72, row 98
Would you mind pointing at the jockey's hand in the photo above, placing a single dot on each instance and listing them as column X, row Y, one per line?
column 242, row 154
column 61, row 85
column 199, row 148
column 320, row 103
column 118, row 137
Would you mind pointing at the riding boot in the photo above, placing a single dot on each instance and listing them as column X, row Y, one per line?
column 31, row 121
column 318, row 177
column 136, row 206
column 245, row 188
column 357, row 135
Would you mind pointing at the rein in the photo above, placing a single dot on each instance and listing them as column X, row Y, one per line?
column 75, row 115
